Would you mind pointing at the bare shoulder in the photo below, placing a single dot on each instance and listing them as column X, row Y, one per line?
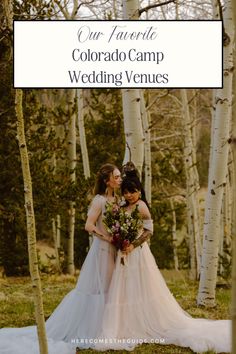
column 96, row 204
column 143, row 209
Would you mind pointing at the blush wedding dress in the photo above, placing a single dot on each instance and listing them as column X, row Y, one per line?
column 119, row 306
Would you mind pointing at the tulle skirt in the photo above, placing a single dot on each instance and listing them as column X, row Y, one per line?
column 77, row 319
column 140, row 308
column 119, row 306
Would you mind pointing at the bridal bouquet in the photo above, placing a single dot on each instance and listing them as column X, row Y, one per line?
column 123, row 226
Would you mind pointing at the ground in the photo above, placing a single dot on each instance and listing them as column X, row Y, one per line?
column 17, row 307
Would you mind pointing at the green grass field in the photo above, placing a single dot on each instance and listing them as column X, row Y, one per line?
column 17, row 309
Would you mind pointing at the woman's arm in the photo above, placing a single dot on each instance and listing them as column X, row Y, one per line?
column 94, row 212
column 146, row 235
column 147, row 225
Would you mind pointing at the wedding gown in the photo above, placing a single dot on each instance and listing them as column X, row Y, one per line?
column 141, row 309
column 116, row 306
column 79, row 314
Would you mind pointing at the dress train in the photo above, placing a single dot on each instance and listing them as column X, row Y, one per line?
column 140, row 308
column 77, row 319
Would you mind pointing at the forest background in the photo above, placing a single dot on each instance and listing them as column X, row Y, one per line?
column 184, row 136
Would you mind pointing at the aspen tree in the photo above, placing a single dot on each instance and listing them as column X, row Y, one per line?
column 82, row 139
column 82, row 134
column 70, row 13
column 174, row 235
column 147, row 150
column 131, row 106
column 217, row 170
column 47, row 101
column 233, row 302
column 31, row 232
column 192, row 187
column 71, row 149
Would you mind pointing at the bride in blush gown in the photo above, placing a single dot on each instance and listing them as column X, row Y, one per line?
column 77, row 319
column 140, row 308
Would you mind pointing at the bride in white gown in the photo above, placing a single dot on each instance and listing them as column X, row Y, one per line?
column 79, row 314
column 116, row 306
column 140, row 308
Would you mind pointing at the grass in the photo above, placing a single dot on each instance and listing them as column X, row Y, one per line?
column 17, row 309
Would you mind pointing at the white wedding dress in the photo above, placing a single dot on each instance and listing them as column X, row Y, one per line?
column 116, row 306
column 141, row 309
column 79, row 314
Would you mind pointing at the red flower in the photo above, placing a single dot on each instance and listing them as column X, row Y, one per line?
column 125, row 244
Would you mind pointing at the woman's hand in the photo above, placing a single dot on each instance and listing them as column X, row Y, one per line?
column 103, row 237
column 129, row 249
column 106, row 238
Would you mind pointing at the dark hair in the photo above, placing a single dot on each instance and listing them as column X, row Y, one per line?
column 131, row 181
column 103, row 176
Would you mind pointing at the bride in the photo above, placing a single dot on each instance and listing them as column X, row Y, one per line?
column 140, row 308
column 80, row 312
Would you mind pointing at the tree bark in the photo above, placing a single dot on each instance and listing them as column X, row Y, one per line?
column 174, row 236
column 147, row 150
column 54, row 235
column 83, row 143
column 31, row 233
column 54, row 220
column 225, row 244
column 82, row 135
column 192, row 188
column 131, row 106
column 217, row 171
column 233, row 304
column 69, row 11
column 133, row 128
column 71, row 146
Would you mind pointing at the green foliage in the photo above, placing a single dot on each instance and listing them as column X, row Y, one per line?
column 203, row 152
column 104, row 128
column 226, row 261
column 13, row 248
column 46, row 110
column 168, row 182
column 161, row 241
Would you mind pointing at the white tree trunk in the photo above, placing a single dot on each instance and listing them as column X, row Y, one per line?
column 228, row 220
column 192, row 187
column 58, row 231
column 69, row 11
column 225, row 244
column 60, row 134
column 230, row 193
column 31, row 232
column 130, row 9
column 233, row 303
column 47, row 101
column 147, row 150
column 133, row 128
column 131, row 106
column 82, row 135
column 71, row 146
column 54, row 235
column 54, row 222
column 217, row 172
column 174, row 236
column 83, row 143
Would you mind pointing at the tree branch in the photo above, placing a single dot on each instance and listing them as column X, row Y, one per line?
column 145, row 9
column 226, row 39
column 158, row 138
